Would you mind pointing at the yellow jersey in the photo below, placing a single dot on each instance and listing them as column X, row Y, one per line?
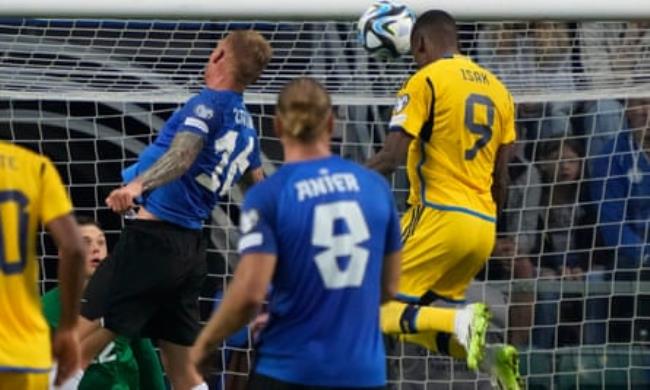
column 458, row 114
column 31, row 193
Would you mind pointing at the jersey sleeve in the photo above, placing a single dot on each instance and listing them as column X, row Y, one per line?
column 54, row 200
column 199, row 117
column 393, row 233
column 255, row 223
column 509, row 132
column 255, row 158
column 412, row 106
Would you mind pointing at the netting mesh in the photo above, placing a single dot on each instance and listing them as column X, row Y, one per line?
column 140, row 60
column 568, row 280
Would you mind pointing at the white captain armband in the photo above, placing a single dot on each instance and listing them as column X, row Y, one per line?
column 196, row 123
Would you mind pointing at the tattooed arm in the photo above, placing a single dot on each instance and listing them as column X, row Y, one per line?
column 170, row 166
column 174, row 163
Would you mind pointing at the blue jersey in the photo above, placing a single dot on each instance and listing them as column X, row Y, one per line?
column 620, row 183
column 330, row 222
column 230, row 147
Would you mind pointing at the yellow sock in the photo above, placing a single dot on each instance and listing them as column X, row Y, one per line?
column 456, row 350
column 395, row 316
column 437, row 319
column 390, row 316
column 426, row 340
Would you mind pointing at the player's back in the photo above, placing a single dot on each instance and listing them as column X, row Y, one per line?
column 28, row 196
column 230, row 147
column 461, row 114
column 331, row 219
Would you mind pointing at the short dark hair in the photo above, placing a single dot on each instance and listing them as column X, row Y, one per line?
column 84, row 220
column 436, row 24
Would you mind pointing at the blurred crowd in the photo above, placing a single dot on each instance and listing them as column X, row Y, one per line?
column 574, row 240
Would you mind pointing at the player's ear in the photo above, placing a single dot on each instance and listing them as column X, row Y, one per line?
column 415, row 42
column 330, row 123
column 217, row 54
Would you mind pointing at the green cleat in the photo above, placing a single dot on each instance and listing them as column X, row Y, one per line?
column 502, row 362
column 471, row 327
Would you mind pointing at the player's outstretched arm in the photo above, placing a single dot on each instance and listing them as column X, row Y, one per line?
column 180, row 156
column 65, row 344
column 390, row 276
column 184, row 149
column 501, row 179
column 392, row 154
column 241, row 302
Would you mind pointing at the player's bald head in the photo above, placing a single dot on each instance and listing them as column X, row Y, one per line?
column 438, row 28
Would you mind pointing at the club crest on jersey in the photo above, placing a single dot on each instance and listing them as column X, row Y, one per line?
column 203, row 112
column 248, row 220
column 401, row 103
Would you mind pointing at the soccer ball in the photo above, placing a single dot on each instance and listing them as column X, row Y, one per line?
column 385, row 29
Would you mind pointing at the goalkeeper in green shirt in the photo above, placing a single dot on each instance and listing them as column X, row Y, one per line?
column 124, row 364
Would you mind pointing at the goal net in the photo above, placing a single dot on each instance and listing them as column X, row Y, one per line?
column 569, row 277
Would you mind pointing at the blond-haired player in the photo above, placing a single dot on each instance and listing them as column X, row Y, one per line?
column 150, row 284
column 454, row 123
column 31, row 194
column 325, row 233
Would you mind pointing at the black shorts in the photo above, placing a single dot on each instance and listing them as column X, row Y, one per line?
column 150, row 285
column 263, row 382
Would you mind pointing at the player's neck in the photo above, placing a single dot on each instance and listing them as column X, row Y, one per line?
column 446, row 52
column 437, row 55
column 295, row 152
column 222, row 82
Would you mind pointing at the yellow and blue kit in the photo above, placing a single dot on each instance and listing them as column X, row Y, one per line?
column 31, row 194
column 458, row 115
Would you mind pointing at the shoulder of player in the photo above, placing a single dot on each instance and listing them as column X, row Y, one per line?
column 208, row 104
column 267, row 190
column 51, row 297
column 433, row 74
column 51, row 303
column 439, row 68
column 498, row 83
column 202, row 106
column 379, row 180
column 21, row 151
column 34, row 161
column 368, row 175
column 416, row 79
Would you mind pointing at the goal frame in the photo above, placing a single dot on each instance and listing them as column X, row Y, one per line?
column 339, row 9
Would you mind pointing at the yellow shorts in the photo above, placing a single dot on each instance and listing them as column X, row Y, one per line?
column 24, row 381
column 442, row 251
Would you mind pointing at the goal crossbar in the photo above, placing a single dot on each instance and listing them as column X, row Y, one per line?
column 340, row 9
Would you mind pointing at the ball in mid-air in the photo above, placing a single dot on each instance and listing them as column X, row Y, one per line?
column 385, row 29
